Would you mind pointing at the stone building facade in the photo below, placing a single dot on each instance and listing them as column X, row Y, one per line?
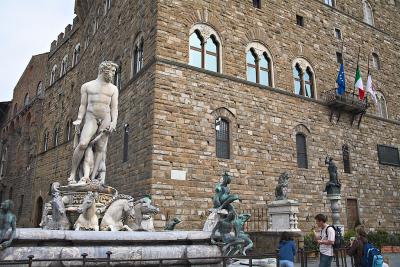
column 214, row 86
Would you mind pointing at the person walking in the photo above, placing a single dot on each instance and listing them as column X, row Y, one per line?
column 325, row 239
column 287, row 251
column 356, row 248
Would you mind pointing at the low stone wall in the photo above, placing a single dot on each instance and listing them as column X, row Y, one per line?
column 268, row 242
column 48, row 244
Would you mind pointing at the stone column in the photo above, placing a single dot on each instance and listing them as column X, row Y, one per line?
column 335, row 209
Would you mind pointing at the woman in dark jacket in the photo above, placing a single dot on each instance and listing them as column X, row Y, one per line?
column 356, row 248
column 287, row 250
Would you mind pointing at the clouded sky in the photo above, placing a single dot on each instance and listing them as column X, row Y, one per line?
column 27, row 27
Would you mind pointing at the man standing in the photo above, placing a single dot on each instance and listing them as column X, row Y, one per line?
column 325, row 239
column 99, row 108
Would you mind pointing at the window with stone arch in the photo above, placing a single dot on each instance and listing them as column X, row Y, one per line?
column 117, row 76
column 368, row 13
column 304, row 78
column 56, row 136
column 137, row 58
column 222, row 138
column 375, row 61
column 64, row 66
column 26, row 100
column 301, row 148
column 68, row 130
column 346, row 158
column 259, row 64
column 39, row 89
column 205, row 48
column 45, row 141
column 53, row 74
column 381, row 107
column 15, row 109
column 3, row 161
column 76, row 56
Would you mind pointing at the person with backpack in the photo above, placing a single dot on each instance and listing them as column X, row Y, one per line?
column 356, row 249
column 325, row 239
column 287, row 251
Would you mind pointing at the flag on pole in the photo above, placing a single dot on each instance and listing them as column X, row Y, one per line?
column 371, row 88
column 359, row 84
column 341, row 81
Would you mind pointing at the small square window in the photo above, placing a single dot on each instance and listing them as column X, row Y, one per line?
column 300, row 20
column 338, row 34
column 257, row 4
column 339, row 57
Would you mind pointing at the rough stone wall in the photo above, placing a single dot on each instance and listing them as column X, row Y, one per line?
column 264, row 121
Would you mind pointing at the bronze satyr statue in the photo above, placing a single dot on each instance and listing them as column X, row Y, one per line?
column 333, row 186
column 7, row 222
column 282, row 187
column 170, row 226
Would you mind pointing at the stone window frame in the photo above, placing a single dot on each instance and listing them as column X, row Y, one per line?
column 338, row 33
column 257, row 4
column 331, row 3
column 206, row 32
column 53, row 74
column 26, row 100
column 56, row 136
column 76, row 55
column 346, row 158
column 227, row 115
column 303, row 130
column 45, row 140
column 125, row 144
column 260, row 50
column 39, row 88
column 69, row 130
column 117, row 81
column 3, row 161
column 64, row 66
column 15, row 111
column 376, row 62
column 303, row 65
column 367, row 8
column 381, row 106
column 137, row 61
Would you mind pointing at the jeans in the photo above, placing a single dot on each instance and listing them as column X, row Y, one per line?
column 286, row 263
column 324, row 260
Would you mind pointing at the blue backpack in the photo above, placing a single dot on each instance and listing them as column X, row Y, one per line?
column 371, row 256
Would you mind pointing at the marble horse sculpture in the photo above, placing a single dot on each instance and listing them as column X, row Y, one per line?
column 88, row 219
column 58, row 219
column 117, row 213
column 143, row 210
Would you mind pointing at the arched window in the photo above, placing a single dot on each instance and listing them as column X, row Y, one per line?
column 381, row 107
column 368, row 14
column 330, row 2
column 222, row 138
column 64, row 65
column 46, row 141
column 251, row 62
column 55, row 137
column 117, row 76
column 68, row 131
column 108, row 3
column 77, row 54
column 3, row 161
column 15, row 109
column 303, row 75
column 259, row 64
column 301, row 147
column 39, row 90
column 53, row 74
column 375, row 61
column 26, row 100
column 138, row 55
column 346, row 159
column 211, row 50
column 205, row 48
column 87, row 36
column 10, row 193
column 125, row 149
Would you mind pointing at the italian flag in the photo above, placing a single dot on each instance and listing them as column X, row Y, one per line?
column 359, row 84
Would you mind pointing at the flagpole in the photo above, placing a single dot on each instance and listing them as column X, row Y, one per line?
column 358, row 60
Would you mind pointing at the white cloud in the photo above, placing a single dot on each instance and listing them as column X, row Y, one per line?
column 27, row 28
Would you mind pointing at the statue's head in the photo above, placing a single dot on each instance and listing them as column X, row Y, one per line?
column 108, row 69
column 226, row 179
column 7, row 205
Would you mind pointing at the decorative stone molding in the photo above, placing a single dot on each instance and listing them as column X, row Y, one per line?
column 205, row 17
column 260, row 49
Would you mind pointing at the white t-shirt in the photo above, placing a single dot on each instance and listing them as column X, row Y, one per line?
column 385, row 265
column 323, row 248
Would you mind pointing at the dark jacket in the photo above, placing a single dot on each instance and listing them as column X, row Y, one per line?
column 287, row 250
column 357, row 250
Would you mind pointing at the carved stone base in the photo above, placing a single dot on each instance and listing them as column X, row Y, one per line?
column 283, row 216
column 44, row 244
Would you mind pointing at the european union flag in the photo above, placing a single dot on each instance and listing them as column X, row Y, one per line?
column 341, row 81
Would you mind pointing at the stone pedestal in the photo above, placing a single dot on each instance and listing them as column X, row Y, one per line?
column 283, row 215
column 335, row 209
